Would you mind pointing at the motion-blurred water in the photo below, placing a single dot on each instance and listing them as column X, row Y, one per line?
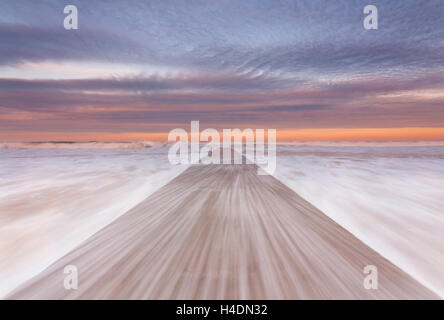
column 391, row 198
column 53, row 197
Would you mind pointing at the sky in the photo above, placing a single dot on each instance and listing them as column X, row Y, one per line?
column 138, row 69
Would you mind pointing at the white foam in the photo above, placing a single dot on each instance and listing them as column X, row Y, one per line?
column 392, row 199
column 363, row 143
column 53, row 199
column 78, row 145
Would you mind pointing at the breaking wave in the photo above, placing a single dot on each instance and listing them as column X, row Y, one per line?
column 78, row 145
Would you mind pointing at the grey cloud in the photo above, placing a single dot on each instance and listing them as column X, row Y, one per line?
column 268, row 36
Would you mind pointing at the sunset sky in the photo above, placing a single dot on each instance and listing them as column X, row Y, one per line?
column 138, row 69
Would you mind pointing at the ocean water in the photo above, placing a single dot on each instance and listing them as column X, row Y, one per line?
column 390, row 197
column 53, row 196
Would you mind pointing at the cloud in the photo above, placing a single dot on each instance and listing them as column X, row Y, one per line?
column 288, row 64
column 389, row 101
column 216, row 82
column 21, row 43
column 297, row 37
column 294, row 108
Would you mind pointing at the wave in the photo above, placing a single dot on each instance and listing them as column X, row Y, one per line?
column 149, row 144
column 393, row 204
column 79, row 145
column 363, row 143
column 51, row 201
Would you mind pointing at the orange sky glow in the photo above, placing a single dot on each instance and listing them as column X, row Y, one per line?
column 331, row 134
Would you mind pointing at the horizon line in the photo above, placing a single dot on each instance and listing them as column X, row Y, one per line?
column 407, row 134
